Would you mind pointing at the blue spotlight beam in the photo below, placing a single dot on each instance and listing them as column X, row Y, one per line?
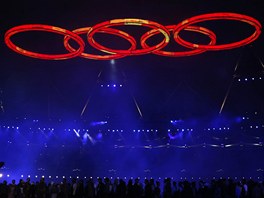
column 85, row 106
column 77, row 133
column 230, row 85
column 139, row 111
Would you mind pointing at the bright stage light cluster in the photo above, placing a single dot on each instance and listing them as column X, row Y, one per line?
column 111, row 85
column 56, row 177
column 156, row 28
column 249, row 79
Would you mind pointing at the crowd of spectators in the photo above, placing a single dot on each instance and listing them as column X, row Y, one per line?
column 119, row 188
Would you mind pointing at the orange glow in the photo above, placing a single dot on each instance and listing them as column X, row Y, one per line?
column 137, row 22
column 102, row 57
column 218, row 16
column 201, row 30
column 156, row 28
column 47, row 28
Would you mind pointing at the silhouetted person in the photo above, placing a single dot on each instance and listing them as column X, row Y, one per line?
column 157, row 193
column 12, row 189
column 137, row 189
column 89, row 189
column 121, row 189
column 167, row 191
column 148, row 189
column 130, row 189
column 4, row 190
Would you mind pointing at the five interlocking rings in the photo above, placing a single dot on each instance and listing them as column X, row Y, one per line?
column 156, row 28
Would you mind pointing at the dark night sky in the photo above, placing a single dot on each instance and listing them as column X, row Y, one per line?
column 163, row 87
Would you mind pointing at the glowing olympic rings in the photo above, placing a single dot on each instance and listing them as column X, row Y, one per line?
column 138, row 22
column 218, row 16
column 156, row 28
column 106, row 30
column 202, row 30
column 47, row 28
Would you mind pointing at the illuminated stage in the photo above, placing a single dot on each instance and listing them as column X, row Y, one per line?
column 160, row 89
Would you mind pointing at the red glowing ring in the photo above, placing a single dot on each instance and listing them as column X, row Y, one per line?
column 138, row 22
column 218, row 16
column 47, row 28
column 202, row 30
column 116, row 32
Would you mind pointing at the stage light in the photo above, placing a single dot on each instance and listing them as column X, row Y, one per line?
column 8, row 175
column 28, row 176
column 49, row 176
column 1, row 175
column 77, row 133
column 99, row 136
